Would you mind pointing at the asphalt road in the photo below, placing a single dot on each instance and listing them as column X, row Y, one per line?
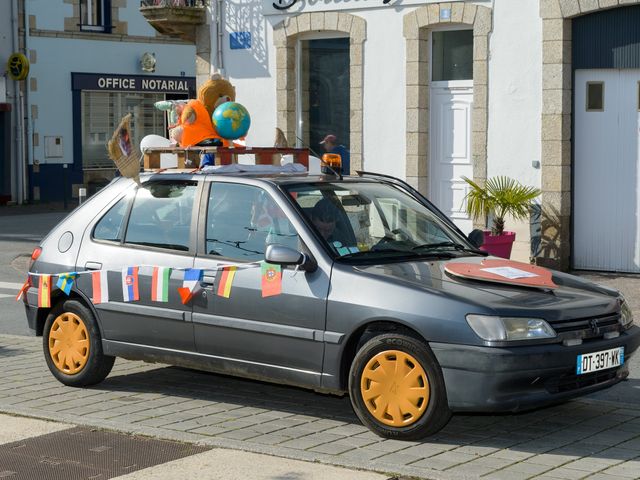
column 19, row 235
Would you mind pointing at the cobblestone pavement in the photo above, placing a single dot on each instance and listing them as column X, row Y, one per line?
column 586, row 438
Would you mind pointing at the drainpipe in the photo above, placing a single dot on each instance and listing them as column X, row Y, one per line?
column 17, row 181
column 220, row 33
column 26, row 110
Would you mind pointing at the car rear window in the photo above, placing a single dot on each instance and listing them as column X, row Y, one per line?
column 161, row 215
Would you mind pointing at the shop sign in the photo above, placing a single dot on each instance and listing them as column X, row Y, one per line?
column 279, row 7
column 132, row 83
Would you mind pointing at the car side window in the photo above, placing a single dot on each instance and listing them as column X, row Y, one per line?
column 242, row 220
column 111, row 225
column 161, row 215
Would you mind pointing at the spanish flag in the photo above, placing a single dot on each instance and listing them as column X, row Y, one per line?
column 44, row 292
column 226, row 279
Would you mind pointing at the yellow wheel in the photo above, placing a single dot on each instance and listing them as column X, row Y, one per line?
column 395, row 388
column 73, row 346
column 69, row 343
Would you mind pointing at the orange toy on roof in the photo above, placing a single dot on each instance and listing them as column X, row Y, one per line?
column 197, row 126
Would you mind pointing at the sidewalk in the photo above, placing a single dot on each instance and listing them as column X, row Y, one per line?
column 586, row 438
column 32, row 449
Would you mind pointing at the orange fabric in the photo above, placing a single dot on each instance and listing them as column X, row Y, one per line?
column 201, row 129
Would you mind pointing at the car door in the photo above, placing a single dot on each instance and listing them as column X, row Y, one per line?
column 279, row 336
column 149, row 228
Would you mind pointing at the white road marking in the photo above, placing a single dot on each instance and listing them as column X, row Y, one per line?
column 11, row 286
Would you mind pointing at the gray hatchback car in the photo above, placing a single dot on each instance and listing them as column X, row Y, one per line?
column 332, row 284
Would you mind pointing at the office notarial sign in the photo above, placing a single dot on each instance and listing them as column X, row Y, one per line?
column 280, row 7
column 132, row 83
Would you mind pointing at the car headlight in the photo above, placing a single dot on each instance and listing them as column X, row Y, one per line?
column 626, row 316
column 505, row 329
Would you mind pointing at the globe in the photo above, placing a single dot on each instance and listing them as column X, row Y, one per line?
column 231, row 120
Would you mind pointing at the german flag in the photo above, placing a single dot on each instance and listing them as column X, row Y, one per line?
column 226, row 279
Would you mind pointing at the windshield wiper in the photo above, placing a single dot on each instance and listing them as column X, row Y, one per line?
column 398, row 253
column 456, row 246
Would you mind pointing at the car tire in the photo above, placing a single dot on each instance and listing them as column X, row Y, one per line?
column 73, row 347
column 408, row 404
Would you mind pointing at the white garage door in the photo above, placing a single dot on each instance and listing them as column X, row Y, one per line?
column 606, row 164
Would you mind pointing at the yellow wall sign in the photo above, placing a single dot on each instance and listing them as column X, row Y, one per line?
column 18, row 66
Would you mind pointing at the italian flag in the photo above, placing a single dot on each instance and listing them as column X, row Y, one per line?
column 100, row 287
column 160, row 284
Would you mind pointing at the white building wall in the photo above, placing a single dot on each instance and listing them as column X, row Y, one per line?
column 515, row 102
column 515, row 87
column 49, row 14
column 384, row 105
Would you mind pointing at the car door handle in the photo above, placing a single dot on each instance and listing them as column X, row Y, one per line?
column 208, row 280
column 93, row 266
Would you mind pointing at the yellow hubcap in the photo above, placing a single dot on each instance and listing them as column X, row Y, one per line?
column 395, row 388
column 69, row 343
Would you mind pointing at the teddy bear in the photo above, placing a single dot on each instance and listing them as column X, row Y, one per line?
column 197, row 126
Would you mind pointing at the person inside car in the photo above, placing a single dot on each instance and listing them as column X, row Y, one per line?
column 324, row 216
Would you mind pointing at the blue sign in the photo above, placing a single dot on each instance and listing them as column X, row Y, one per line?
column 240, row 40
column 445, row 14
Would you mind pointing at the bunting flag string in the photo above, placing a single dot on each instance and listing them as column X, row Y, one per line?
column 160, row 277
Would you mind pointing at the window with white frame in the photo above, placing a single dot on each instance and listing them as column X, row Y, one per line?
column 94, row 14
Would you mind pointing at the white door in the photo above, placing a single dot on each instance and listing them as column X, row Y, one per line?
column 450, row 150
column 606, row 204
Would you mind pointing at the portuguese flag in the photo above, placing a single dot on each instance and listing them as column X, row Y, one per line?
column 271, row 279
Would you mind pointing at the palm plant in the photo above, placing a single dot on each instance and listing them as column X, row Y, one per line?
column 501, row 196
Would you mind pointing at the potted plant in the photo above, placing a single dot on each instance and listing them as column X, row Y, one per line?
column 500, row 196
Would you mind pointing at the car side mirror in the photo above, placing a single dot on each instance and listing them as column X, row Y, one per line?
column 281, row 255
column 476, row 238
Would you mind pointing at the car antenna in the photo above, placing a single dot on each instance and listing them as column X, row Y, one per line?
column 337, row 174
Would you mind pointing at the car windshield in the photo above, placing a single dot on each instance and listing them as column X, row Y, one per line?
column 375, row 220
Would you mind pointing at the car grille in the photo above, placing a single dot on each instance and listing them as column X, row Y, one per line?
column 567, row 383
column 591, row 328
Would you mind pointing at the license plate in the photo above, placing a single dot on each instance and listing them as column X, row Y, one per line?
column 592, row 362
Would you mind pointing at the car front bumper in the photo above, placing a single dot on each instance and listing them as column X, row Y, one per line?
column 493, row 379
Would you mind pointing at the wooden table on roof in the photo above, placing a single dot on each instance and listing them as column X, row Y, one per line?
column 225, row 155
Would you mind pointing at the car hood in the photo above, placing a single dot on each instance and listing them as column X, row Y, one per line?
column 574, row 297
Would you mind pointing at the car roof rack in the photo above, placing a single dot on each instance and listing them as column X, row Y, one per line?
column 223, row 156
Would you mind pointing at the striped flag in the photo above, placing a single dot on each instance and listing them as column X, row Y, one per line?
column 190, row 284
column 226, row 280
column 65, row 281
column 23, row 290
column 130, row 284
column 44, row 291
column 160, row 284
column 100, row 287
